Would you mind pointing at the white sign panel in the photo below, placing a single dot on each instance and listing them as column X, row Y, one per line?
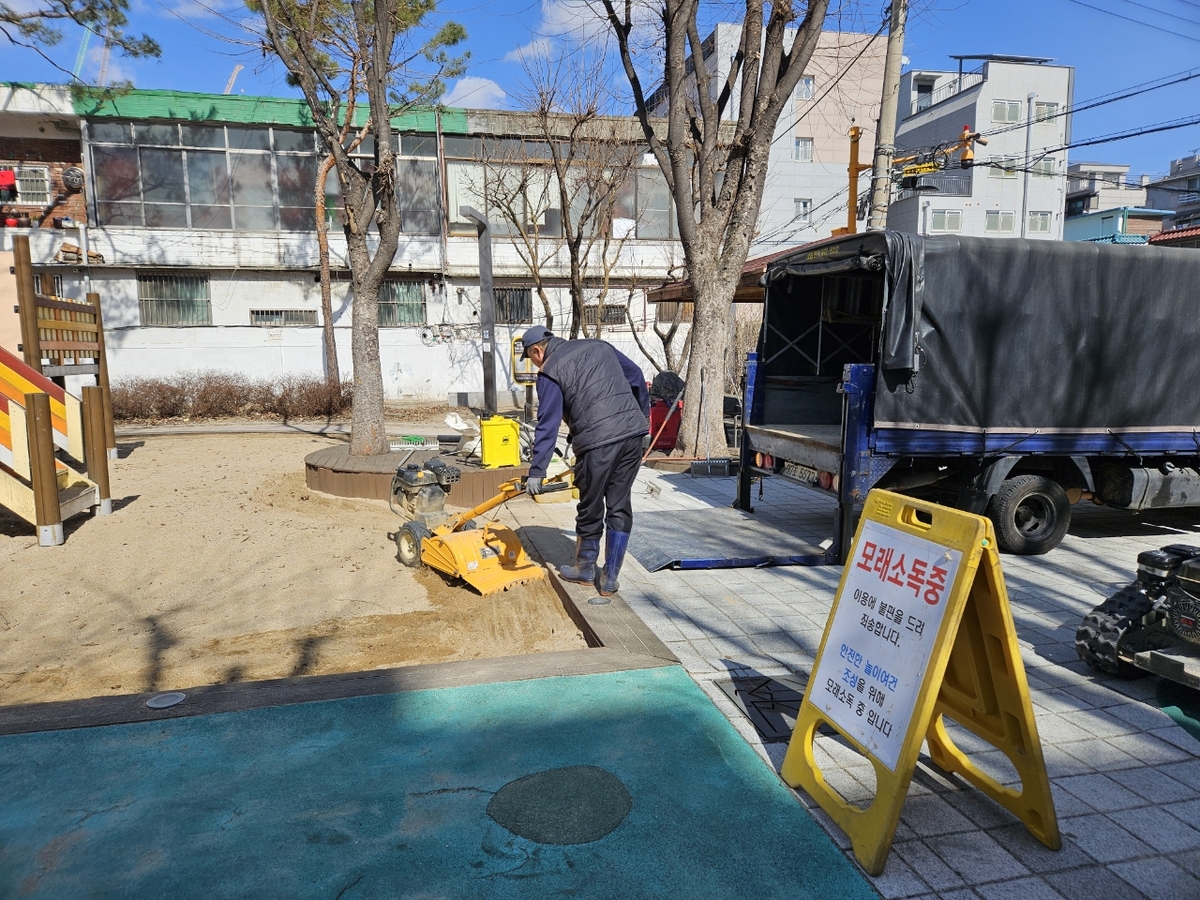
column 879, row 644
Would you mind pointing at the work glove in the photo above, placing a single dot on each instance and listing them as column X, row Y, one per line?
column 533, row 485
column 645, row 442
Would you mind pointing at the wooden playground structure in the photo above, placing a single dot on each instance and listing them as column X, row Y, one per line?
column 54, row 446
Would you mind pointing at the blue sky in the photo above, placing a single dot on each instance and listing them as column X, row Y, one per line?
column 1113, row 44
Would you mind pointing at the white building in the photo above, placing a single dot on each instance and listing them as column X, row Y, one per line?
column 1180, row 192
column 1017, row 185
column 197, row 212
column 807, row 183
column 1093, row 186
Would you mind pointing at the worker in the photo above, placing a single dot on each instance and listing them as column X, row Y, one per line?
column 602, row 396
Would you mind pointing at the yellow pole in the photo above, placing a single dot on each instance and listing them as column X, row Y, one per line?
column 854, row 170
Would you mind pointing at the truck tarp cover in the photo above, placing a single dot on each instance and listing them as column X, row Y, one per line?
column 1041, row 335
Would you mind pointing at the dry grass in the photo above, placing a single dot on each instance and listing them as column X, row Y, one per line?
column 216, row 395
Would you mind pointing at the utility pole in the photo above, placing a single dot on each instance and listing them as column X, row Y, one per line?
column 1028, row 154
column 885, row 140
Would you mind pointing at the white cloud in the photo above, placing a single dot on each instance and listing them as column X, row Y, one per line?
column 539, row 48
column 476, row 93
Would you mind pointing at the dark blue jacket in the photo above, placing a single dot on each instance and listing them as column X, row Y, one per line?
column 596, row 389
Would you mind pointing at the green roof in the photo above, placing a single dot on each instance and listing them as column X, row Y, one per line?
column 245, row 110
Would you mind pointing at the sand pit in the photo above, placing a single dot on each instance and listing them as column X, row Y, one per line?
column 219, row 565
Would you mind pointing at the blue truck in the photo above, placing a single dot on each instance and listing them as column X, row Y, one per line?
column 1007, row 377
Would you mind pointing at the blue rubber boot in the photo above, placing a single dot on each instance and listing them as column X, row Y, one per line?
column 584, row 570
column 614, row 555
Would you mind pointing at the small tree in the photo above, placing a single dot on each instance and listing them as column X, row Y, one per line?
column 38, row 25
column 666, row 329
column 344, row 56
column 716, row 176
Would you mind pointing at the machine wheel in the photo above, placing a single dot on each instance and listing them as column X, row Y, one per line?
column 1101, row 631
column 1031, row 514
column 408, row 543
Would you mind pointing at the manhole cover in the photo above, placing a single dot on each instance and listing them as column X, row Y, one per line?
column 575, row 805
column 771, row 704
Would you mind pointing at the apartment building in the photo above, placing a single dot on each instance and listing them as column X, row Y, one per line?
column 193, row 217
column 1016, row 186
column 1179, row 192
column 807, row 185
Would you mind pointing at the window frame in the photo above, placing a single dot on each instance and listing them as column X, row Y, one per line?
column 284, row 315
column 398, row 304
column 1010, row 105
column 806, row 88
column 945, row 213
column 803, row 142
column 998, row 215
column 162, row 308
column 504, row 310
column 802, row 208
column 1042, row 217
column 23, row 191
column 997, row 170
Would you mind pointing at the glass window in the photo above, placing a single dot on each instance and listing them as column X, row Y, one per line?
column 514, row 305
column 1006, row 110
column 461, row 147
column 33, row 184
column 1044, row 168
column 418, row 196
column 118, row 186
column 945, row 220
column 203, row 136
column 998, row 221
column 253, row 203
column 208, row 184
column 401, row 303
column 802, row 149
column 803, row 210
column 1044, row 112
column 419, row 145
column 293, row 141
column 804, row 90
column 608, row 314
column 249, row 138
column 173, row 299
column 1039, row 223
column 1003, row 167
column 464, row 187
column 157, row 135
column 162, row 176
column 654, row 205
column 110, row 132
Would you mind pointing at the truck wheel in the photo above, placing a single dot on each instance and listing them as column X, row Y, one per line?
column 1102, row 629
column 1031, row 514
column 408, row 543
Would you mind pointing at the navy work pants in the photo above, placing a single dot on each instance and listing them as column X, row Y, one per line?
column 604, row 476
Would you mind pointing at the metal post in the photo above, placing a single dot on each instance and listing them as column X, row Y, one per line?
column 1028, row 154
column 40, row 432
column 110, row 436
column 487, row 306
column 885, row 140
column 856, row 168
column 31, row 346
column 94, row 444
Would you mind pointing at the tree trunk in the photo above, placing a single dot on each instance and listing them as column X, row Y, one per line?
column 702, row 432
column 368, row 437
column 333, row 376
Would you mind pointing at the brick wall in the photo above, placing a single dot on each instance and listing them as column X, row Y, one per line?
column 55, row 156
column 1143, row 225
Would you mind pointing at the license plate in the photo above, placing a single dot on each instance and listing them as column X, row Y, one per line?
column 799, row 472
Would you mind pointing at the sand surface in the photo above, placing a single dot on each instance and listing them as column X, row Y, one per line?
column 219, row 565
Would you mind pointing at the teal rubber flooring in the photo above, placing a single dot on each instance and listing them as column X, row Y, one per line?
column 642, row 790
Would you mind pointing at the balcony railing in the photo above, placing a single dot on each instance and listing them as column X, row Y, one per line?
column 956, row 86
column 948, row 184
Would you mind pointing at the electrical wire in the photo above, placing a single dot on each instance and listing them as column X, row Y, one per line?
column 1107, row 12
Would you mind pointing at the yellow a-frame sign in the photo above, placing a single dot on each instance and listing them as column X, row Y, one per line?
column 920, row 631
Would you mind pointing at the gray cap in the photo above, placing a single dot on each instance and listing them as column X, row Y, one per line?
column 534, row 335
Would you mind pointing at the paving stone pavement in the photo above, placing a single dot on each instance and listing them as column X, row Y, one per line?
column 1125, row 778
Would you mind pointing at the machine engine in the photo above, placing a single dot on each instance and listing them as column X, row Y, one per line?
column 419, row 491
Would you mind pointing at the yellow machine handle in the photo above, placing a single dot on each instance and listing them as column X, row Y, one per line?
column 508, row 490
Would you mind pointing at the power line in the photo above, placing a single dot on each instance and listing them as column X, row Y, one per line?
column 1108, row 12
column 1161, row 13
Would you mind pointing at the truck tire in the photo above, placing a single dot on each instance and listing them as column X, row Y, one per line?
column 1101, row 631
column 1031, row 514
column 408, row 543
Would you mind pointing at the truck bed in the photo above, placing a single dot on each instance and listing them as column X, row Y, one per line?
column 818, row 446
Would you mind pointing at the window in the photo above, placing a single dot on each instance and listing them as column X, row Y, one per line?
column 401, row 303
column 803, row 210
column 181, row 175
column 1044, row 113
column 804, row 90
column 802, row 149
column 1003, row 167
column 277, row 318
column 1044, row 168
column 33, row 185
column 671, row 313
column 653, row 204
column 514, row 305
column 998, row 222
column 924, row 95
column 166, row 299
column 1039, row 223
column 1006, row 110
column 608, row 314
column 945, row 220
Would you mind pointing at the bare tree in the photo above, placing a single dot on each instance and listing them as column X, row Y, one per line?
column 714, row 156
column 342, row 54
column 37, row 26
column 565, row 188
column 674, row 359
